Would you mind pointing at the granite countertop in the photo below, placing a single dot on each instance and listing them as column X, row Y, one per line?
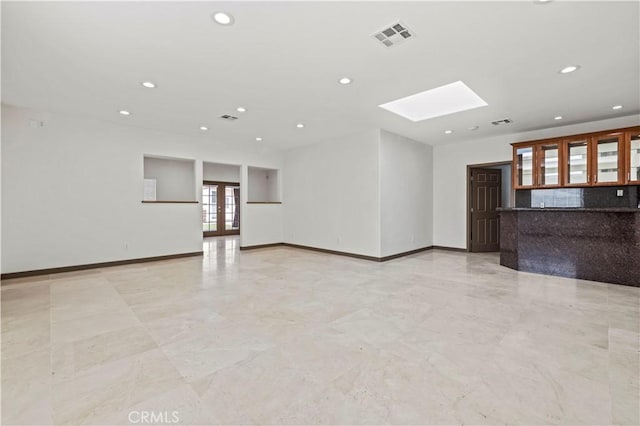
column 572, row 209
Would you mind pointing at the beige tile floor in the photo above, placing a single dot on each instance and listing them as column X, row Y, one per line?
column 287, row 336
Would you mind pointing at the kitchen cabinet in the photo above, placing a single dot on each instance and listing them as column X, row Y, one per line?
column 632, row 157
column 523, row 176
column 607, row 158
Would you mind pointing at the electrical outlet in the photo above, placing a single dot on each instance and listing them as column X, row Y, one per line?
column 620, row 193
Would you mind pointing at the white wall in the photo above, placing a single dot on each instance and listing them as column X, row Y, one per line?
column 220, row 172
column 72, row 191
column 331, row 195
column 262, row 224
column 406, row 186
column 175, row 178
column 450, row 172
column 259, row 223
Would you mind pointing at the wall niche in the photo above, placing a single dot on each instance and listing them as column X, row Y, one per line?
column 169, row 180
column 263, row 185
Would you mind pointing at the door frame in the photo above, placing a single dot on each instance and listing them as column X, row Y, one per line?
column 469, row 205
column 222, row 231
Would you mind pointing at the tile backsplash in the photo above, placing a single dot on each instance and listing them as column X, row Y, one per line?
column 579, row 197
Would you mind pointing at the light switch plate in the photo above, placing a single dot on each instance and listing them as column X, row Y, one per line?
column 620, row 193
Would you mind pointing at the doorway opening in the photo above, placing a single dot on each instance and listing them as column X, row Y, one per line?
column 488, row 187
column 220, row 208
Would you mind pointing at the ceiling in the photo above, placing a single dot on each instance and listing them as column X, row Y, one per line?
column 282, row 61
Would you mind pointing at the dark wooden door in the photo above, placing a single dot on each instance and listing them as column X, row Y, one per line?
column 485, row 199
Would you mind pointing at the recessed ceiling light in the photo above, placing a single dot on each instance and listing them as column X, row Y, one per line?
column 443, row 100
column 204, row 128
column 344, row 80
column 299, row 125
column 448, row 132
column 558, row 117
column 259, row 139
column 542, row 1
column 616, row 107
column 569, row 69
column 124, row 112
column 223, row 18
column 241, row 109
column 148, row 84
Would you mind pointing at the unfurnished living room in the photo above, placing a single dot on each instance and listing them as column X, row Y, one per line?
column 320, row 213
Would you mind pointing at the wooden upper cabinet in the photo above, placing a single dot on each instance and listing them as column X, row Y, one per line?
column 577, row 158
column 548, row 172
column 594, row 159
column 607, row 159
column 632, row 156
column 523, row 167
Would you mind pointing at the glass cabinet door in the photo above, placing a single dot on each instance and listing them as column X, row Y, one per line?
column 549, row 165
column 577, row 162
column 524, row 166
column 633, row 154
column 607, row 159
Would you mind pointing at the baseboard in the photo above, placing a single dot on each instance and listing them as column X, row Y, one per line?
column 339, row 253
column 450, row 249
column 406, row 253
column 261, row 246
column 48, row 271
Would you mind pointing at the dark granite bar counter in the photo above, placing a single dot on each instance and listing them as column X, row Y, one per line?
column 598, row 244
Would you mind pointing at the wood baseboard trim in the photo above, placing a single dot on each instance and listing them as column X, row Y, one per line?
column 339, row 253
column 59, row 270
column 261, row 246
column 462, row 250
column 406, row 253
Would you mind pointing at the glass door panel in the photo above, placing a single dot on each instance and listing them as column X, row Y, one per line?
column 634, row 157
column 549, row 165
column 524, row 166
column 607, row 165
column 577, row 169
column 209, row 208
column 232, row 208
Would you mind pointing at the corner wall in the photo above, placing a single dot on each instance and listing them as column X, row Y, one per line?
column 406, row 188
column 450, row 172
column 368, row 194
column 331, row 195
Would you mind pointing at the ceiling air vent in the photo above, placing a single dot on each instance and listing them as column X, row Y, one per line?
column 228, row 117
column 393, row 34
column 501, row 122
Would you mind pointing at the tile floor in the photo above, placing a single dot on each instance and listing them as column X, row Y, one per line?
column 288, row 336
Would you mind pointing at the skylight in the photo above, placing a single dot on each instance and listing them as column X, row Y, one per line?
column 443, row 100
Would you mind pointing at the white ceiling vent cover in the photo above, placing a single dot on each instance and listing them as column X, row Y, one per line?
column 501, row 122
column 393, row 34
column 228, row 117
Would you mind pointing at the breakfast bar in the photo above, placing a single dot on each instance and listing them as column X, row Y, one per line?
column 598, row 244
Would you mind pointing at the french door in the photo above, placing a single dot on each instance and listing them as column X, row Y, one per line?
column 220, row 208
